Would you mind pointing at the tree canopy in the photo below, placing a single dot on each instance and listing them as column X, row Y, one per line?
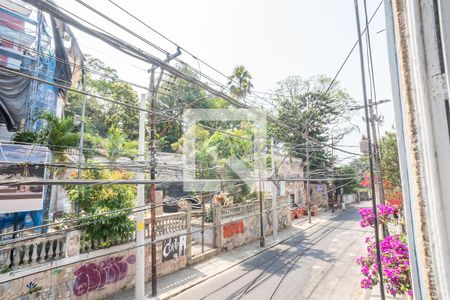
column 102, row 115
column 308, row 106
column 240, row 83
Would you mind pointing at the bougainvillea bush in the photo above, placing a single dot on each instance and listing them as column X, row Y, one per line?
column 386, row 214
column 394, row 255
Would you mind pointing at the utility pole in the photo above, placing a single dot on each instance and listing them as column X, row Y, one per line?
column 139, row 286
column 153, row 87
column 274, row 195
column 373, row 119
column 307, row 195
column 83, row 122
column 376, row 152
column 262, row 242
column 332, row 176
column 366, row 111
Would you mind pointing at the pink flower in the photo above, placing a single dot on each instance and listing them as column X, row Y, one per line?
column 395, row 265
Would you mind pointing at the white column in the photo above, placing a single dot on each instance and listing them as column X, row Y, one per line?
column 140, row 202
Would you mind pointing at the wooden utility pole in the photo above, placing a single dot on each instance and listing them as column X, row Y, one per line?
column 83, row 125
column 333, row 192
column 274, row 194
column 366, row 111
column 307, row 194
column 262, row 242
column 376, row 153
column 153, row 87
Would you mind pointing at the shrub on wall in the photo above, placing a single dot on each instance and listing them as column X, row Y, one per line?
column 116, row 199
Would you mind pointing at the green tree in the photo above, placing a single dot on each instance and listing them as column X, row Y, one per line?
column 390, row 170
column 214, row 151
column 350, row 184
column 240, row 83
column 390, row 166
column 101, row 115
column 115, row 145
column 99, row 199
column 306, row 106
column 174, row 96
column 58, row 135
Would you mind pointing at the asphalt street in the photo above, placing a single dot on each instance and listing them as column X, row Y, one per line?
column 318, row 262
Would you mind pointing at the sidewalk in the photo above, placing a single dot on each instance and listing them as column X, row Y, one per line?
column 177, row 282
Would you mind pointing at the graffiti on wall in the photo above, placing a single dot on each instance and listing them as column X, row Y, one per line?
column 94, row 276
column 233, row 228
column 174, row 248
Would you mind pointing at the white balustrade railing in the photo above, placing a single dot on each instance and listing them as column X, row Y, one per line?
column 28, row 251
column 167, row 224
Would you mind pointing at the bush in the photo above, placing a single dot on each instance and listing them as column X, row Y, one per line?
column 26, row 136
column 394, row 255
column 98, row 199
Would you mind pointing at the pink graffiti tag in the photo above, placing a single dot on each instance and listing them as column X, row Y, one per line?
column 92, row 276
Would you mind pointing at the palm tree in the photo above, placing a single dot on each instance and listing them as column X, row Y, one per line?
column 58, row 135
column 115, row 145
column 240, row 82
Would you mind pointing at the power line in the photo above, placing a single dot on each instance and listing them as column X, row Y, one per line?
column 109, row 100
column 140, row 54
column 353, row 48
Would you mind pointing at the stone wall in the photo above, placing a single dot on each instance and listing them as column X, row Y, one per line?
column 240, row 230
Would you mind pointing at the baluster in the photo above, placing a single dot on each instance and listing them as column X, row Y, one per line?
column 26, row 255
column 57, row 250
column 8, row 257
column 85, row 243
column 158, row 227
column 82, row 243
column 63, row 248
column 17, row 255
column 88, row 244
column 34, row 255
column 42, row 252
column 95, row 244
column 50, row 250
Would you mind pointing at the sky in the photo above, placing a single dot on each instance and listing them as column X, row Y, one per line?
column 273, row 39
